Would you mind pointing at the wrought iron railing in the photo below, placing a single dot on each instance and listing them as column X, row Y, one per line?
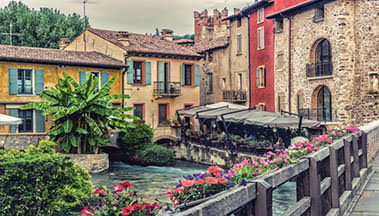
column 234, row 95
column 167, row 88
column 319, row 69
column 318, row 114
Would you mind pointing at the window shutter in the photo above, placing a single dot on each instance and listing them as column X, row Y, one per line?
column 12, row 77
column 130, row 72
column 183, row 74
column 161, row 71
column 14, row 113
column 147, row 73
column 197, row 75
column 82, row 77
column 40, row 79
column 257, row 77
column 40, row 122
column 104, row 78
column 263, row 76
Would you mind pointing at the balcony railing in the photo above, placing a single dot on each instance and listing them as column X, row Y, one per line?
column 319, row 69
column 234, row 96
column 162, row 88
column 318, row 114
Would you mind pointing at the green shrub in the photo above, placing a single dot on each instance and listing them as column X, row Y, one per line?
column 155, row 154
column 137, row 138
column 40, row 182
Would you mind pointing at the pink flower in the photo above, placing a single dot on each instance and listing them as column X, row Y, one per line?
column 211, row 180
column 117, row 188
column 126, row 184
column 86, row 211
column 99, row 191
column 187, row 183
column 127, row 210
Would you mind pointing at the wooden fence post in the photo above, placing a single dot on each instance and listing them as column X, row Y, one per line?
column 334, row 177
column 314, row 187
column 347, row 156
column 356, row 157
column 263, row 202
column 302, row 188
column 363, row 140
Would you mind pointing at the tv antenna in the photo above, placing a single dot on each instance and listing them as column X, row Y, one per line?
column 11, row 34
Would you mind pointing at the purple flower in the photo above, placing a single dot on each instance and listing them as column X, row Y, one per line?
column 202, row 176
column 189, row 177
column 167, row 209
column 243, row 182
column 230, row 185
column 178, row 186
column 227, row 178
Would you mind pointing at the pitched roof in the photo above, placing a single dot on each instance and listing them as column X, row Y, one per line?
column 146, row 44
column 56, row 56
column 217, row 43
column 183, row 41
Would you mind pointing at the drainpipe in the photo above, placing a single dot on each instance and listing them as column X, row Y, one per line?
column 123, row 80
column 249, row 63
column 289, row 62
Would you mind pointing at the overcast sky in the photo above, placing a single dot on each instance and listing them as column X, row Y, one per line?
column 140, row 16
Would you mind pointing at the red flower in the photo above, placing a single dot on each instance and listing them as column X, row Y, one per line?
column 138, row 206
column 99, row 191
column 157, row 206
column 86, row 212
column 126, row 184
column 127, row 210
column 168, row 191
column 149, row 206
column 211, row 180
column 215, row 170
column 117, row 188
column 187, row 183
column 177, row 190
column 221, row 180
column 200, row 182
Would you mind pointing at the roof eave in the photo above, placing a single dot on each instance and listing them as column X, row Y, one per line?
column 298, row 8
column 256, row 6
column 163, row 55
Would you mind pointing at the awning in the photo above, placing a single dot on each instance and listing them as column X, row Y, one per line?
column 9, row 120
column 191, row 112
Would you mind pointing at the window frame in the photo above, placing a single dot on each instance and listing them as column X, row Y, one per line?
column 210, row 82
column 32, row 85
column 280, row 61
column 142, row 81
column 279, row 25
column 239, row 22
column 261, row 11
column 261, row 106
column 261, row 29
column 192, row 74
column 239, row 44
column 161, row 123
column 319, row 14
column 261, row 78
column 322, row 60
column 24, row 121
column 143, row 110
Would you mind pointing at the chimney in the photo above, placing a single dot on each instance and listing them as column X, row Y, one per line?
column 63, row 43
column 168, row 34
column 123, row 38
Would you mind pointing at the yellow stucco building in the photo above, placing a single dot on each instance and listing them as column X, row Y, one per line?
column 162, row 76
column 27, row 71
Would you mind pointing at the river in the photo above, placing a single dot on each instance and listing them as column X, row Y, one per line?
column 151, row 182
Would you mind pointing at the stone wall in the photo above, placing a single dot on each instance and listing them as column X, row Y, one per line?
column 93, row 163
column 211, row 156
column 372, row 131
column 20, row 142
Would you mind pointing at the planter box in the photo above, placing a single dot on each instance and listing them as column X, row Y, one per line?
column 93, row 163
column 191, row 204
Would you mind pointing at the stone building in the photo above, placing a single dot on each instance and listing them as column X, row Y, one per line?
column 210, row 27
column 162, row 76
column 326, row 60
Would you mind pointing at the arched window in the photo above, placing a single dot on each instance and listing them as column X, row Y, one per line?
column 323, row 59
column 324, row 105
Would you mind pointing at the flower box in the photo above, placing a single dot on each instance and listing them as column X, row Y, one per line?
column 185, row 206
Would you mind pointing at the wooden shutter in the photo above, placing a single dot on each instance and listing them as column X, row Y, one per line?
column 183, row 74
column 263, row 76
column 147, row 73
column 82, row 77
column 40, row 79
column 40, row 122
column 161, row 71
column 12, row 78
column 14, row 113
column 197, row 75
column 257, row 77
column 130, row 72
column 104, row 78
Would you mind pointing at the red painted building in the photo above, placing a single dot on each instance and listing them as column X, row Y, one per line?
column 262, row 38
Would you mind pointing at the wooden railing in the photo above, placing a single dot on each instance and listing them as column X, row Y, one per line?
column 326, row 182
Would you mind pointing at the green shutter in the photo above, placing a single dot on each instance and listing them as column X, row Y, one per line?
column 161, row 71
column 197, row 75
column 104, row 78
column 183, row 74
column 12, row 77
column 39, row 81
column 264, row 76
column 40, row 122
column 130, row 72
column 257, row 77
column 14, row 113
column 82, row 77
column 147, row 73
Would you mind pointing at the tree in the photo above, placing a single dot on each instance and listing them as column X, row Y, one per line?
column 186, row 36
column 157, row 32
column 82, row 114
column 42, row 28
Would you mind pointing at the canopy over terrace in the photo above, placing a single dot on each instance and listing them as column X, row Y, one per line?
column 201, row 110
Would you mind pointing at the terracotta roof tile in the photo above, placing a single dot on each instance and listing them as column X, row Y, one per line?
column 183, row 40
column 140, row 43
column 220, row 42
column 56, row 56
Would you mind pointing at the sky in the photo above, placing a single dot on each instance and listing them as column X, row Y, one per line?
column 139, row 16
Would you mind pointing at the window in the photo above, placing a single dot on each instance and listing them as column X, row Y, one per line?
column 261, row 107
column 319, row 14
column 280, row 62
column 323, row 64
column 239, row 22
column 278, row 25
column 163, row 111
column 239, row 44
column 223, row 83
column 280, row 103
column 138, row 111
column 210, row 56
column 240, row 81
column 261, row 77
column 261, row 15
column 299, row 101
column 324, row 105
column 25, row 81
column 261, row 43
column 138, row 72
column 27, row 121
column 188, row 74
column 210, row 82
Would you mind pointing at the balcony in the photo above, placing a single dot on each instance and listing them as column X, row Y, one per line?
column 317, row 114
column 319, row 69
column 238, row 96
column 171, row 89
